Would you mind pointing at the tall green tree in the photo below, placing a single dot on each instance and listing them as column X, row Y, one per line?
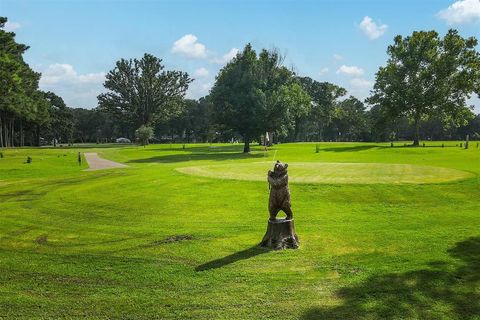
column 350, row 120
column 142, row 91
column 255, row 93
column 325, row 96
column 426, row 75
column 60, row 119
column 18, row 86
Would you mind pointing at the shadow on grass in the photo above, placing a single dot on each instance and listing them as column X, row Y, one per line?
column 395, row 146
column 202, row 148
column 196, row 156
column 237, row 256
column 84, row 146
column 443, row 290
column 348, row 149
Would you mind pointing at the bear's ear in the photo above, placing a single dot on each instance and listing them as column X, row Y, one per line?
column 278, row 161
column 286, row 165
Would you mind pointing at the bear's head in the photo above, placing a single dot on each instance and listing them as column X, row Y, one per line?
column 280, row 169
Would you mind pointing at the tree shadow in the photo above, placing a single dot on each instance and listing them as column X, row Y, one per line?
column 202, row 148
column 84, row 146
column 197, row 156
column 237, row 256
column 347, row 149
column 444, row 289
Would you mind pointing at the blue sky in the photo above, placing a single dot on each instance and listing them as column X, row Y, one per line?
column 74, row 43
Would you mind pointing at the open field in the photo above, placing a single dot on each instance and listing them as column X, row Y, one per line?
column 384, row 232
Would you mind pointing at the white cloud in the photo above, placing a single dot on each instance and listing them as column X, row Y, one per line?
column 198, row 89
column 65, row 73
column 371, row 29
column 463, row 11
column 337, row 57
column 360, row 87
column 352, row 71
column 226, row 57
column 11, row 26
column 201, row 72
column 360, row 83
column 323, row 71
column 189, row 46
column 78, row 90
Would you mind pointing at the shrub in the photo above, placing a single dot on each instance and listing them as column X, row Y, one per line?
column 317, row 148
column 143, row 134
column 29, row 160
column 391, row 144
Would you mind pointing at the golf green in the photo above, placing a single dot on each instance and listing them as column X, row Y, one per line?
column 333, row 172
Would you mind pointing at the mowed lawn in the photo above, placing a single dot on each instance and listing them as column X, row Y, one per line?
column 158, row 241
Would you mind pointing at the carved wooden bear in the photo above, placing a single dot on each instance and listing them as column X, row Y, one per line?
column 279, row 193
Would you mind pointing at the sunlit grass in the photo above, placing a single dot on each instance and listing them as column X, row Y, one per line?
column 333, row 173
column 149, row 241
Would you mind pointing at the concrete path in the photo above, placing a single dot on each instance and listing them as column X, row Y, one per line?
column 97, row 163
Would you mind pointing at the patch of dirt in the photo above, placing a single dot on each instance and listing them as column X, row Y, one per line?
column 42, row 239
column 171, row 239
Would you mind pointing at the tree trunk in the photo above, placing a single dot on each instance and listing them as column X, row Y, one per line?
column 22, row 139
column 280, row 235
column 12, row 124
column 37, row 135
column 416, row 137
column 246, row 146
column 12, row 132
column 1, row 132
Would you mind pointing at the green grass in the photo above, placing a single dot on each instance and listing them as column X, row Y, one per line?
column 333, row 173
column 149, row 241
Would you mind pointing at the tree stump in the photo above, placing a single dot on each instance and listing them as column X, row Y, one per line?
column 280, row 235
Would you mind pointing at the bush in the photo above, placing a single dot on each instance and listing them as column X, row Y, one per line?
column 29, row 160
column 143, row 134
column 317, row 148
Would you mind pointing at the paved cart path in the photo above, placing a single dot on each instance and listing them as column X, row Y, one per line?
column 97, row 163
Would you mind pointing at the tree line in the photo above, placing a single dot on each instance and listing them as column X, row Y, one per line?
column 420, row 93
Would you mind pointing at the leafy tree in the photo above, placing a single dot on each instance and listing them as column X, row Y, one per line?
column 349, row 120
column 142, row 92
column 193, row 124
column 61, row 119
column 427, row 75
column 144, row 134
column 253, row 94
column 18, row 85
column 324, row 97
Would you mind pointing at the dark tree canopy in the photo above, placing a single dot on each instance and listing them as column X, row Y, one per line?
column 141, row 91
column 20, row 100
column 61, row 118
column 253, row 94
column 428, row 76
column 324, row 97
